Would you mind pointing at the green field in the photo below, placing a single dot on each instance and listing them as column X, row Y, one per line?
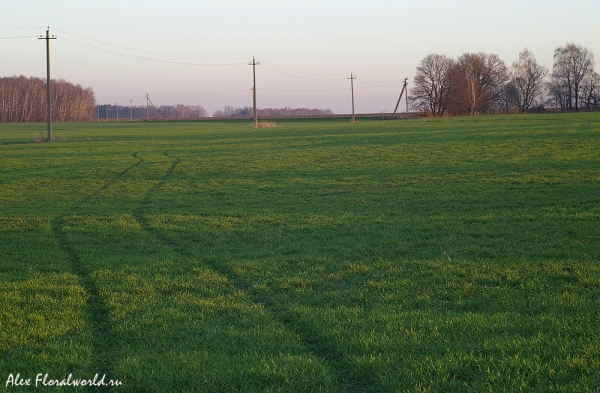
column 429, row 255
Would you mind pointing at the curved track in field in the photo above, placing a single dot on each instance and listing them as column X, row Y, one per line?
column 310, row 335
column 97, row 309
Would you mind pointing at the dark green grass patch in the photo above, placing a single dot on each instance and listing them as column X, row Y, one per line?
column 428, row 255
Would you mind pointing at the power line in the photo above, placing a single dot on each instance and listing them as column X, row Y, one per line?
column 302, row 90
column 334, row 76
column 208, row 93
column 293, row 75
column 22, row 28
column 112, row 52
column 146, row 52
column 317, row 89
column 299, row 89
column 381, row 85
column 382, row 82
column 13, row 38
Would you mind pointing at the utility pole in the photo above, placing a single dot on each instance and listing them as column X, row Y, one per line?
column 117, row 112
column 48, row 99
column 406, row 87
column 131, row 110
column 151, row 103
column 254, row 64
column 352, row 77
column 106, row 107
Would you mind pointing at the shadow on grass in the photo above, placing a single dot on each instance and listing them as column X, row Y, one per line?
column 98, row 311
column 97, row 308
column 310, row 335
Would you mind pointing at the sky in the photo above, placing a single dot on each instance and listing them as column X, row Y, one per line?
column 198, row 52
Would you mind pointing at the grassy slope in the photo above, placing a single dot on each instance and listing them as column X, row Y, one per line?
column 425, row 255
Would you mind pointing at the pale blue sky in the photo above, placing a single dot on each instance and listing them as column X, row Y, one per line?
column 307, row 49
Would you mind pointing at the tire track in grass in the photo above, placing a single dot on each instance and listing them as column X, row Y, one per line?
column 310, row 335
column 99, row 313
column 97, row 308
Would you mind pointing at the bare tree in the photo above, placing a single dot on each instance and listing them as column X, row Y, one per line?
column 572, row 63
column 478, row 80
column 508, row 98
column 590, row 91
column 527, row 77
column 229, row 111
column 432, row 84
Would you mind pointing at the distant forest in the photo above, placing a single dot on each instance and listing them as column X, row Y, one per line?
column 228, row 111
column 196, row 111
column 138, row 112
column 23, row 99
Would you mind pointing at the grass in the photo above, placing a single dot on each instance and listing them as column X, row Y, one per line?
column 430, row 255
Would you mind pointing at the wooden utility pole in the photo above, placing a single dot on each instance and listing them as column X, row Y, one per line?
column 131, row 110
column 151, row 103
column 48, row 99
column 352, row 77
column 254, row 64
column 404, row 88
column 117, row 112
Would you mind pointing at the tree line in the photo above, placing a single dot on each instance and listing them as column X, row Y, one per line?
column 180, row 111
column 138, row 112
column 473, row 83
column 477, row 83
column 23, row 99
column 247, row 111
